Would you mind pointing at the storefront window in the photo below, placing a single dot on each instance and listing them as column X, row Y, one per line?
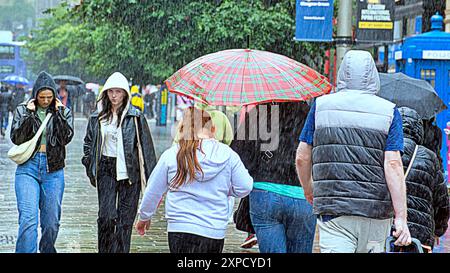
column 6, row 69
column 429, row 75
column 6, row 52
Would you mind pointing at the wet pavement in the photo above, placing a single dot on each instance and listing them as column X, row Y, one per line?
column 78, row 231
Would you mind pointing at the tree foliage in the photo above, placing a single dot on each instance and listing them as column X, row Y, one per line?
column 150, row 40
column 14, row 13
column 53, row 46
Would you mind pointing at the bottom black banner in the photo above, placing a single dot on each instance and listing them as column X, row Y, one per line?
column 218, row 263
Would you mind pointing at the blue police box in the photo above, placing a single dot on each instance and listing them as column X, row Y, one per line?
column 427, row 56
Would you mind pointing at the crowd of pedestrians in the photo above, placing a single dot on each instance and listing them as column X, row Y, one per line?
column 350, row 162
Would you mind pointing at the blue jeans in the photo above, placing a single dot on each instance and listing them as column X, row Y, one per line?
column 36, row 189
column 282, row 224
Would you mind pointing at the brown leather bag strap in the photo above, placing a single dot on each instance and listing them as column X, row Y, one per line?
column 141, row 157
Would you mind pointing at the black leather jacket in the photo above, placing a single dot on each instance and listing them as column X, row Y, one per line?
column 93, row 145
column 59, row 132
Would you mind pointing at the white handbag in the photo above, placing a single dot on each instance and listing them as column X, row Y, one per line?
column 21, row 153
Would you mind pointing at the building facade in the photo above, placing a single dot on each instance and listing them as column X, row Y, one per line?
column 411, row 17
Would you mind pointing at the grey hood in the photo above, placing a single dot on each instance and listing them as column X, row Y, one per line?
column 358, row 72
column 213, row 158
column 43, row 81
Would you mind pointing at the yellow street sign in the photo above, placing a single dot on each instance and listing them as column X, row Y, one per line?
column 376, row 25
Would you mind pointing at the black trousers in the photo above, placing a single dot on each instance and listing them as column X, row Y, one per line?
column 118, row 205
column 190, row 243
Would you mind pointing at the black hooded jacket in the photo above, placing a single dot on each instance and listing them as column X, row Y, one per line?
column 93, row 143
column 59, row 128
column 427, row 197
column 276, row 166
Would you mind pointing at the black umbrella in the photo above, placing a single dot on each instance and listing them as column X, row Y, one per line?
column 71, row 89
column 410, row 92
column 71, row 80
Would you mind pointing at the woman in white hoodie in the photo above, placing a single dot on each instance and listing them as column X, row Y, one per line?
column 198, row 174
column 111, row 158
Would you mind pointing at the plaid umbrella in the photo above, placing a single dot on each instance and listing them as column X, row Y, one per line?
column 244, row 76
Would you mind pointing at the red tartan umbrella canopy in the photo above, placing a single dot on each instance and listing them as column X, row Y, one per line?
column 244, row 76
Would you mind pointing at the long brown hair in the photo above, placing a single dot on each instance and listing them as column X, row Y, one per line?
column 193, row 121
column 107, row 113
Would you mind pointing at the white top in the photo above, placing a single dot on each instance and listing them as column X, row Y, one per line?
column 111, row 135
column 200, row 207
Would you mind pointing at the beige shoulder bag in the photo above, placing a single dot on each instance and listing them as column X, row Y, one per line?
column 21, row 153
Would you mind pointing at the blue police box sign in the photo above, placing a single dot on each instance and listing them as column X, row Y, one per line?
column 313, row 21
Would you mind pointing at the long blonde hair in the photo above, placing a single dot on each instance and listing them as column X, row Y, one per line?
column 194, row 120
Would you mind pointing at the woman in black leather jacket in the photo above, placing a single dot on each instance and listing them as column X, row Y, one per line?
column 39, row 182
column 111, row 159
column 427, row 197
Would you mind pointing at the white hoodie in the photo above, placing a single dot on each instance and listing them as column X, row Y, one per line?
column 116, row 80
column 200, row 207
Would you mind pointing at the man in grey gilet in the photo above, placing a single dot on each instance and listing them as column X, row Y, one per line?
column 349, row 162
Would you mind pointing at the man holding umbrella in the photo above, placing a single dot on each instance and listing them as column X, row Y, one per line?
column 64, row 94
column 67, row 88
column 419, row 95
column 18, row 92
